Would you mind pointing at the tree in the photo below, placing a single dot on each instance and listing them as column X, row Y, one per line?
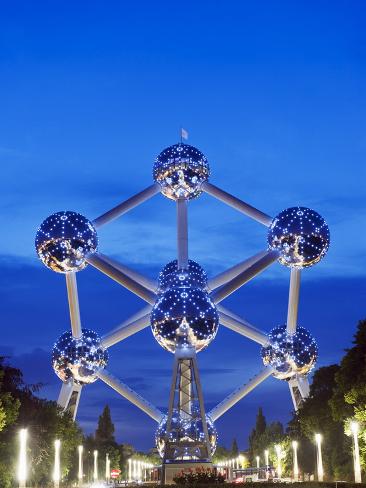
column 104, row 441
column 234, row 448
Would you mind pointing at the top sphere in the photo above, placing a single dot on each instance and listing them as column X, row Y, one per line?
column 180, row 171
column 301, row 236
column 63, row 241
column 172, row 277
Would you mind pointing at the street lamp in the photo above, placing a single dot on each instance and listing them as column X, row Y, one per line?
column 319, row 459
column 258, row 459
column 266, row 460
column 279, row 466
column 22, row 462
column 95, row 473
column 356, row 452
column 129, row 469
column 295, row 462
column 80, row 471
column 107, row 467
column 56, row 471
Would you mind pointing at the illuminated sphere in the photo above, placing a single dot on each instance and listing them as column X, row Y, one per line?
column 180, row 171
column 63, row 241
column 185, row 429
column 301, row 235
column 80, row 359
column 184, row 316
column 195, row 276
column 290, row 354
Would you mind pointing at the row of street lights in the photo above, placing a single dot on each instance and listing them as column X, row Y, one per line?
column 137, row 469
column 23, row 466
column 238, row 463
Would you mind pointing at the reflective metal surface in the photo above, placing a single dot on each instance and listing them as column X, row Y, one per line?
column 290, row 354
column 180, row 170
column 64, row 239
column 195, row 276
column 79, row 359
column 301, row 235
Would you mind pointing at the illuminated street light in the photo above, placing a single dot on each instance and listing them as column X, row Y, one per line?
column 130, row 469
column 295, row 462
column 319, row 459
column 356, row 452
column 22, row 463
column 279, row 466
column 266, row 460
column 56, row 471
column 258, row 459
column 80, row 471
column 107, row 467
column 95, row 473
column 241, row 460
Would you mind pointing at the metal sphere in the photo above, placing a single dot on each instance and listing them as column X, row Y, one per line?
column 170, row 277
column 301, row 235
column 180, row 171
column 185, row 429
column 63, row 241
column 185, row 316
column 290, row 354
column 80, row 359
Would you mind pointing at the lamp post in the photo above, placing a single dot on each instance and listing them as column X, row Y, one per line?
column 95, row 472
column 258, row 459
column 279, row 466
column 129, row 469
column 319, row 458
column 56, row 469
column 80, row 470
column 22, row 462
column 295, row 462
column 266, row 460
column 107, row 467
column 356, row 452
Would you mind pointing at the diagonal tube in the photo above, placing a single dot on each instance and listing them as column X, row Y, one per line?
column 245, row 276
column 130, row 395
column 127, row 205
column 229, row 274
column 73, row 299
column 131, row 273
column 241, row 326
column 238, row 204
column 293, row 300
column 239, row 393
column 126, row 329
column 99, row 262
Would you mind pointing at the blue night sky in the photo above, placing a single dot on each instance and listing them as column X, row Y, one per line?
column 90, row 92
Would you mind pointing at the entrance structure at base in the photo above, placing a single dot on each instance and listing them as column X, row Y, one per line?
column 184, row 307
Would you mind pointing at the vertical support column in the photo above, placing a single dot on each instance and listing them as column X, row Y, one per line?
column 69, row 397
column 293, row 300
column 185, row 389
column 72, row 295
column 182, row 233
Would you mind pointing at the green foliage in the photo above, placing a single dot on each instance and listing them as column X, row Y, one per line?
column 234, row 449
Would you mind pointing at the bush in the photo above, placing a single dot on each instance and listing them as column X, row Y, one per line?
column 199, row 476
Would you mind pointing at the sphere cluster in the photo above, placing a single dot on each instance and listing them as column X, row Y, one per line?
column 290, row 354
column 79, row 358
column 172, row 277
column 180, row 171
column 301, row 236
column 64, row 240
column 189, row 429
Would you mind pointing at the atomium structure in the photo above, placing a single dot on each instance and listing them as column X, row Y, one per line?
column 184, row 306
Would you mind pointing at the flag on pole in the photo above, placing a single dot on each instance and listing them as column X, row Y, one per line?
column 183, row 134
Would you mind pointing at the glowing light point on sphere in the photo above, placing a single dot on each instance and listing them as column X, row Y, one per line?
column 185, row 429
column 301, row 236
column 180, row 171
column 79, row 358
column 63, row 241
column 170, row 276
column 290, row 354
column 185, row 316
